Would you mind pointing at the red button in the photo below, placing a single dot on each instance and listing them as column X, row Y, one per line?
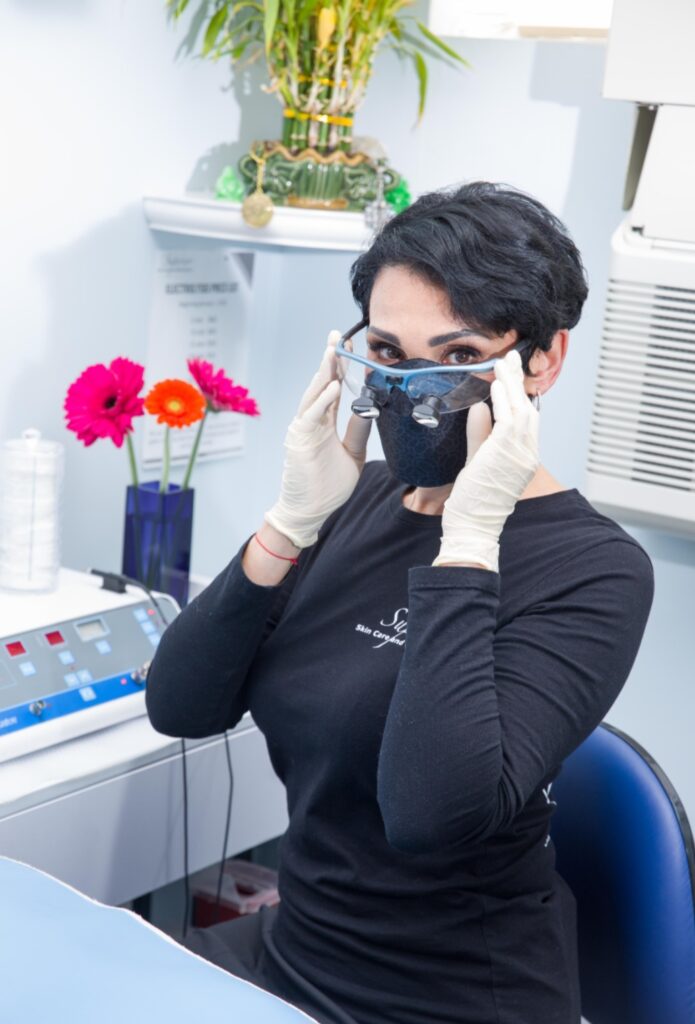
column 55, row 637
column 15, row 648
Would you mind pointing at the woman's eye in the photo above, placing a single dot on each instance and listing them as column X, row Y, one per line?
column 380, row 350
column 459, row 356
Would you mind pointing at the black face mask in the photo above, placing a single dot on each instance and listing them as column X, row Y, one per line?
column 418, row 455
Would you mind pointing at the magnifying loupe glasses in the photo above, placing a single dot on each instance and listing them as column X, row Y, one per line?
column 434, row 389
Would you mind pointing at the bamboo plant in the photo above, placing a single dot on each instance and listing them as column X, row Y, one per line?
column 319, row 54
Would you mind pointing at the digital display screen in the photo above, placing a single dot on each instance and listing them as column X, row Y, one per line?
column 91, row 629
column 55, row 637
column 15, row 648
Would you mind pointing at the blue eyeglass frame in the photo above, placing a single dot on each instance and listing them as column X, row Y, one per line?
column 402, row 377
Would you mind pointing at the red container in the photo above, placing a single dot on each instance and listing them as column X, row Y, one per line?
column 245, row 889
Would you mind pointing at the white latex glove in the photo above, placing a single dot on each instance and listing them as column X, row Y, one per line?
column 495, row 475
column 320, row 471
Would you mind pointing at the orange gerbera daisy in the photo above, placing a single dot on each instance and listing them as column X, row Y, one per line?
column 176, row 403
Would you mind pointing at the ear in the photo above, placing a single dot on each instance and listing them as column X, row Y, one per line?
column 546, row 366
column 478, row 428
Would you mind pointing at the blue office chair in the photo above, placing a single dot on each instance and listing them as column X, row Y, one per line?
column 625, row 848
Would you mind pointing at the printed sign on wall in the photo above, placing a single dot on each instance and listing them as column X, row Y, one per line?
column 200, row 308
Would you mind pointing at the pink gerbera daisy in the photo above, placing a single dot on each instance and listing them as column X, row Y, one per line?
column 220, row 391
column 104, row 400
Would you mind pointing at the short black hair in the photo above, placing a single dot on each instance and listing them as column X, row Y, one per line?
column 504, row 260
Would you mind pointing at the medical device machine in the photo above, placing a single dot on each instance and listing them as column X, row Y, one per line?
column 89, row 791
column 73, row 660
column 641, row 464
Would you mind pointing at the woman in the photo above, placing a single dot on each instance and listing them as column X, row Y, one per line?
column 417, row 875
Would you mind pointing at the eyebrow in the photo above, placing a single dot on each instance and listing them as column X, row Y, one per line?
column 440, row 339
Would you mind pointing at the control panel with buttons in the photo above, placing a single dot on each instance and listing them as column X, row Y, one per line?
column 64, row 667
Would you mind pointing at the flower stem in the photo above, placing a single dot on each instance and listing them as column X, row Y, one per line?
column 131, row 458
column 167, row 462
column 194, row 453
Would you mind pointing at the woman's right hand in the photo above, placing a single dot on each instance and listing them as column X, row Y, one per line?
column 320, row 471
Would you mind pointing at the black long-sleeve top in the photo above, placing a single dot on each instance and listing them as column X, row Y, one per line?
column 417, row 716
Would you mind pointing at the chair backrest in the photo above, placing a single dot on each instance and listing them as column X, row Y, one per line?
column 625, row 848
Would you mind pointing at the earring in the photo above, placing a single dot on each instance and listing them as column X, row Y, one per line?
column 536, row 399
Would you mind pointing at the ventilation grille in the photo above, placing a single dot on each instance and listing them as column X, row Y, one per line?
column 643, row 423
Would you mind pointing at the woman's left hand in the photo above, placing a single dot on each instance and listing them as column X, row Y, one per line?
column 498, row 470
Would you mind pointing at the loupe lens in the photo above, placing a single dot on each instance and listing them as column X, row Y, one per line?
column 454, row 391
column 366, row 405
column 427, row 413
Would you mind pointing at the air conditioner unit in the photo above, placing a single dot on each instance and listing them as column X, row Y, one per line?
column 641, row 462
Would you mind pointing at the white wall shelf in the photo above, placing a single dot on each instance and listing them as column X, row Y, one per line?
column 576, row 20
column 206, row 217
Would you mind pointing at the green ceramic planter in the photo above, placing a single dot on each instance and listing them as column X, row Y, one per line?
column 309, row 179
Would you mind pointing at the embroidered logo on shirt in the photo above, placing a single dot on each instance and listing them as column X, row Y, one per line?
column 398, row 624
column 546, row 793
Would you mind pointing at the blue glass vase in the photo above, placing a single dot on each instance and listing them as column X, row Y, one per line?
column 157, row 537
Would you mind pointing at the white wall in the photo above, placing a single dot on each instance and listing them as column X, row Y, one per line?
column 97, row 112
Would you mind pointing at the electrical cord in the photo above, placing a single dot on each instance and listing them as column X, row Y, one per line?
column 217, row 907
column 116, row 581
column 186, row 887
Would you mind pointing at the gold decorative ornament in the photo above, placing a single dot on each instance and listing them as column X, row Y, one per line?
column 258, row 208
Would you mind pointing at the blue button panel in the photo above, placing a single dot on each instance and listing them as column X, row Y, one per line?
column 68, row 701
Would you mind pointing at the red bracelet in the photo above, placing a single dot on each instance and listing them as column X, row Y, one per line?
column 294, row 561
